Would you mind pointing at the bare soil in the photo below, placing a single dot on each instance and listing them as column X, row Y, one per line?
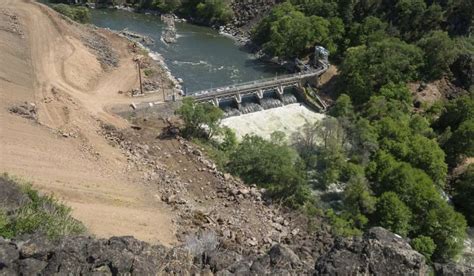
column 47, row 62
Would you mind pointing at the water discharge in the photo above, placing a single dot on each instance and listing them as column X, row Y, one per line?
column 289, row 119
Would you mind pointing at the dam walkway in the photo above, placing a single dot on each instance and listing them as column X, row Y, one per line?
column 237, row 91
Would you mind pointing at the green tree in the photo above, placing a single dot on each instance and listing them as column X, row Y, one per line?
column 229, row 140
column 372, row 29
column 398, row 92
column 461, row 143
column 358, row 200
column 197, row 117
column 425, row 245
column 214, row 11
column 456, row 112
column 464, row 194
column 393, row 214
column 288, row 33
column 440, row 53
column 366, row 69
column 343, row 107
column 447, row 228
column 272, row 165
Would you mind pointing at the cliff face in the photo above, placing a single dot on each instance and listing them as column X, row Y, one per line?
column 378, row 252
column 248, row 12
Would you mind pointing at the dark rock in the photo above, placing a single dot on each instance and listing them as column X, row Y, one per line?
column 379, row 252
column 31, row 266
column 8, row 255
column 452, row 269
column 219, row 260
column 12, row 196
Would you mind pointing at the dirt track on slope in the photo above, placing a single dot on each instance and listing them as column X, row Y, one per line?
column 44, row 61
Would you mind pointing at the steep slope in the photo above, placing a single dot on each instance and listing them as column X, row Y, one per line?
column 65, row 72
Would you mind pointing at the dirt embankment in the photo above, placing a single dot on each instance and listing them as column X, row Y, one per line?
column 69, row 75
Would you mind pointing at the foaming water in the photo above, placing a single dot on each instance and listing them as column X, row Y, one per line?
column 289, row 119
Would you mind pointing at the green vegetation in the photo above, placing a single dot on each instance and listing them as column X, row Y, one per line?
column 424, row 245
column 393, row 214
column 393, row 160
column 37, row 214
column 464, row 193
column 272, row 165
column 287, row 32
column 413, row 29
column 197, row 117
column 208, row 12
column 79, row 14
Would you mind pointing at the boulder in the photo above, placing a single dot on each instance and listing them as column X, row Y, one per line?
column 379, row 252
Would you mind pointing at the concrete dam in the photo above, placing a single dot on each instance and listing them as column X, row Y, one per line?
column 266, row 93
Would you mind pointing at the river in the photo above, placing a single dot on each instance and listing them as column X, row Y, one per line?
column 202, row 57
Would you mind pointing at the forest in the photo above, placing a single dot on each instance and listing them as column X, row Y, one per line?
column 399, row 161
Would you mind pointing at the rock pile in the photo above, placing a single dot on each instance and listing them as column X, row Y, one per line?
column 143, row 39
column 25, row 110
column 100, row 46
column 9, row 22
column 169, row 34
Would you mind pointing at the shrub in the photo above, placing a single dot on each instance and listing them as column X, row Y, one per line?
column 425, row 245
column 197, row 117
column 40, row 214
column 79, row 14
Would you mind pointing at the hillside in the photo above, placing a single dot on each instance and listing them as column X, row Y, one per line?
column 64, row 72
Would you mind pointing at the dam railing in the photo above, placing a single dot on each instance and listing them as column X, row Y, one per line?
column 262, row 84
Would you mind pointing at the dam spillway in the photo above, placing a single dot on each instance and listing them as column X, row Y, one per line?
column 234, row 99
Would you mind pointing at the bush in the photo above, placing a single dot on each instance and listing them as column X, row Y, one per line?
column 272, row 165
column 79, row 14
column 425, row 245
column 197, row 117
column 393, row 214
column 464, row 194
column 40, row 214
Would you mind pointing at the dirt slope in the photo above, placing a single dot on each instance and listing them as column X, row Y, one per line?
column 44, row 61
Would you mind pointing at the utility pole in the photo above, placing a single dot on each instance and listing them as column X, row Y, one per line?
column 140, row 75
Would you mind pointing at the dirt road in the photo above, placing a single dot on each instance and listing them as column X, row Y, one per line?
column 44, row 61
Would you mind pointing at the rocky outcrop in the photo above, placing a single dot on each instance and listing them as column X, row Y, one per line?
column 452, row 269
column 378, row 252
column 248, row 12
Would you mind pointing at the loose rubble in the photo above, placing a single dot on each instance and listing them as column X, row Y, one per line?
column 206, row 199
column 97, row 43
column 25, row 110
column 145, row 40
column 9, row 22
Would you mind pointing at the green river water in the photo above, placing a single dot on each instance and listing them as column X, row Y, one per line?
column 202, row 57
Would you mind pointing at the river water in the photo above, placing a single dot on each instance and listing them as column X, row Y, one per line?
column 201, row 57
